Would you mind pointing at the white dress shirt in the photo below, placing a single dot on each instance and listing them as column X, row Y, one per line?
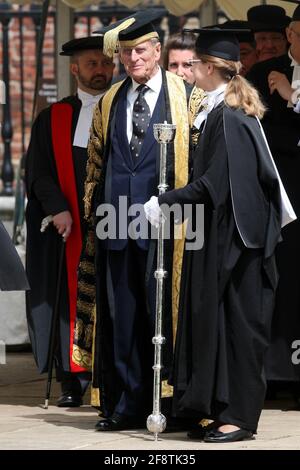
column 151, row 96
column 82, row 132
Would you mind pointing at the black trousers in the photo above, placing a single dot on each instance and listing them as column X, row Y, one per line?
column 133, row 313
column 73, row 383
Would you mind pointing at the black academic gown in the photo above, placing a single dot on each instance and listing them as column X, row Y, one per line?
column 12, row 273
column 43, row 249
column 228, row 286
column 282, row 128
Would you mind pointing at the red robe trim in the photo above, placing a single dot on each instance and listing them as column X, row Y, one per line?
column 61, row 125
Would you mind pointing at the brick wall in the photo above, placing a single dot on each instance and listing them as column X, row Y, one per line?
column 29, row 71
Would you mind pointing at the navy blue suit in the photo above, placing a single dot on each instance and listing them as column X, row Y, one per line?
column 137, row 180
column 131, row 299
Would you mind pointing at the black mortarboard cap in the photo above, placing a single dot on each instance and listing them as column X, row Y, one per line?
column 243, row 30
column 222, row 43
column 132, row 30
column 267, row 18
column 296, row 14
column 81, row 44
column 105, row 29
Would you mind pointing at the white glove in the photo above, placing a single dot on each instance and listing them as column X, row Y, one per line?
column 153, row 211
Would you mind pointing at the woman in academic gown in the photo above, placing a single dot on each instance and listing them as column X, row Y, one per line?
column 228, row 286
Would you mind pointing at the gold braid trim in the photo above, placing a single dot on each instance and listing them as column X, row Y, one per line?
column 97, row 142
column 90, row 243
column 95, row 392
column 195, row 106
column 81, row 357
column 180, row 117
column 95, row 397
column 87, row 267
column 195, row 101
column 87, row 289
column 106, row 107
column 94, row 163
column 78, row 329
column 166, row 389
column 88, row 336
column 84, row 307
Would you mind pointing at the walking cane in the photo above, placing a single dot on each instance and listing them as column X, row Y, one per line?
column 45, row 222
column 156, row 422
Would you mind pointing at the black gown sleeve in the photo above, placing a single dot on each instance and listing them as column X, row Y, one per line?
column 205, row 188
column 192, row 193
column 41, row 178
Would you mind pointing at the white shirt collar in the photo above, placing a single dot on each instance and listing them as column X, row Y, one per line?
column 212, row 100
column 88, row 99
column 151, row 97
column 293, row 63
column 217, row 94
column 82, row 131
column 154, row 83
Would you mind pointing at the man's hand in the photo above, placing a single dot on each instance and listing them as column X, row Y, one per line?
column 63, row 223
column 278, row 81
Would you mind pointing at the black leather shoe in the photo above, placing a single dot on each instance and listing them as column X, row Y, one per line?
column 217, row 436
column 118, row 422
column 69, row 401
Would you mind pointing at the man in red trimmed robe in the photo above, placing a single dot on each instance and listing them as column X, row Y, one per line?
column 55, row 175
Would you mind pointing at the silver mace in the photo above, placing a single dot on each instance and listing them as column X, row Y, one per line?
column 156, row 422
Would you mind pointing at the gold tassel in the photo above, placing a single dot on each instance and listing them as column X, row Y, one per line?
column 111, row 37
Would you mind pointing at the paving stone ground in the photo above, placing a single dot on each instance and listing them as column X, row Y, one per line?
column 24, row 424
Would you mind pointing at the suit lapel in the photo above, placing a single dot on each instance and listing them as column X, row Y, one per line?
column 121, row 128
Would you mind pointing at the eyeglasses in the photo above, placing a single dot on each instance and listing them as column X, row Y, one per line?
column 193, row 61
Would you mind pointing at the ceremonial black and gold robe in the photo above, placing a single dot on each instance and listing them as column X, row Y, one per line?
column 93, row 303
